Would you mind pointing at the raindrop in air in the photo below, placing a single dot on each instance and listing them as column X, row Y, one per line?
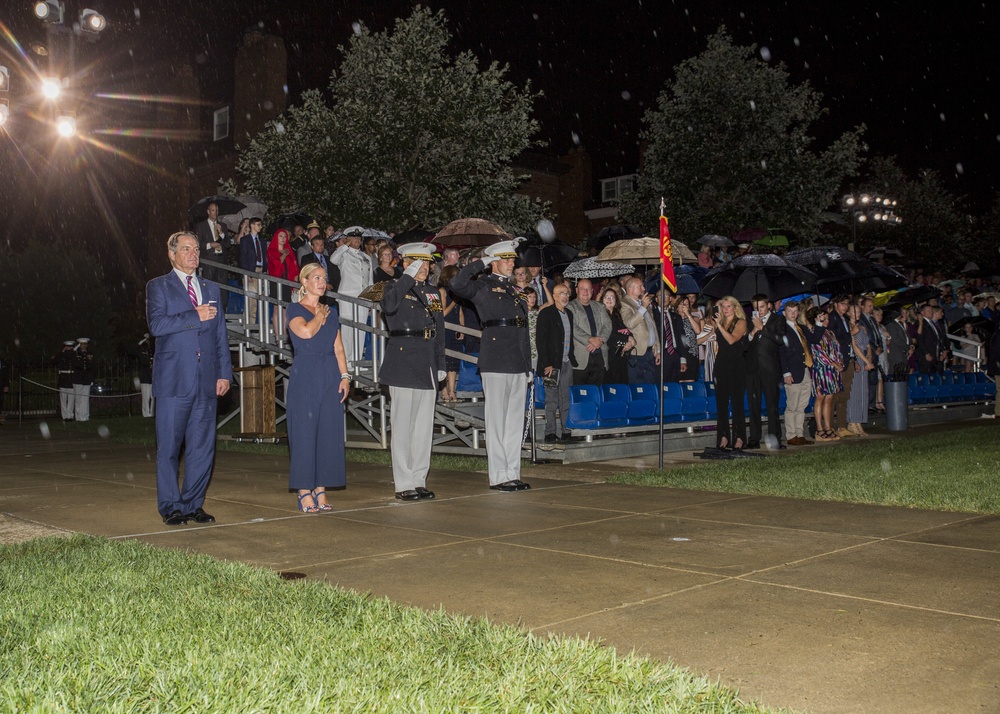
column 103, row 431
column 796, row 42
column 546, row 231
column 268, row 104
column 626, row 95
column 137, row 13
column 765, row 54
column 356, row 27
column 942, row 116
column 44, row 428
column 959, row 168
column 886, row 466
column 576, row 138
column 279, row 127
column 753, row 105
column 763, row 164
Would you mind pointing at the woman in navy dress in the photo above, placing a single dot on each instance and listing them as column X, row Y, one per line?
column 318, row 385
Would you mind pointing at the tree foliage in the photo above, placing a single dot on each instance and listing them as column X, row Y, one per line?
column 729, row 148
column 411, row 137
column 934, row 229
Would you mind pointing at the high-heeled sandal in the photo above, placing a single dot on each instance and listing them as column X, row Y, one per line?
column 308, row 509
column 321, row 506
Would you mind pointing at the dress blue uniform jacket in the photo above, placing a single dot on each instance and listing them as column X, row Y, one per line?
column 503, row 350
column 412, row 361
column 191, row 355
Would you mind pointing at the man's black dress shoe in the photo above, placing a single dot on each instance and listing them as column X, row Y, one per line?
column 175, row 518
column 424, row 493
column 781, row 446
column 199, row 516
column 509, row 486
column 551, row 438
column 409, row 495
column 752, row 445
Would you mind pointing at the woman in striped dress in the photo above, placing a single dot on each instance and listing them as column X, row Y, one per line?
column 825, row 372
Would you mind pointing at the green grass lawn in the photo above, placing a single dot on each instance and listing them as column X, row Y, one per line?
column 90, row 625
column 956, row 469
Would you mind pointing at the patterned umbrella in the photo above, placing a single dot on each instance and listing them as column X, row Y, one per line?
column 591, row 268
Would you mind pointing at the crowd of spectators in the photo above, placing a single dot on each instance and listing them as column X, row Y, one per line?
column 838, row 352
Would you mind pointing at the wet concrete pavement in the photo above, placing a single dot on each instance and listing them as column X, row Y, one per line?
column 817, row 606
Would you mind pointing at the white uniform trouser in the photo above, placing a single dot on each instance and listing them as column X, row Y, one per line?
column 796, row 401
column 505, row 400
column 412, row 419
column 147, row 399
column 353, row 338
column 81, row 401
column 66, row 401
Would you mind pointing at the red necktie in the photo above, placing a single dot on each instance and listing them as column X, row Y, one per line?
column 191, row 293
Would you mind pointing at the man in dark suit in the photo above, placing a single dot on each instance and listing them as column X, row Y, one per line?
column 253, row 259
column 871, row 327
column 764, row 370
column 899, row 343
column 317, row 254
column 192, row 369
column 930, row 341
column 213, row 241
column 674, row 355
column 554, row 338
column 413, row 368
column 504, row 358
column 796, row 359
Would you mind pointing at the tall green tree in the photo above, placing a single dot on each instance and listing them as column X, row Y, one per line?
column 935, row 229
column 729, row 148
column 412, row 136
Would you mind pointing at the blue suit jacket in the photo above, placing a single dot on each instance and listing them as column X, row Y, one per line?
column 191, row 355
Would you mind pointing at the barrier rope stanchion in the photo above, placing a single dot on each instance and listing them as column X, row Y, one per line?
column 92, row 396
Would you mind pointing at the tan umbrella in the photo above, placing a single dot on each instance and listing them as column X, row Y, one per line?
column 466, row 232
column 645, row 250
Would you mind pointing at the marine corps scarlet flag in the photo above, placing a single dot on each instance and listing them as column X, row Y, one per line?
column 666, row 253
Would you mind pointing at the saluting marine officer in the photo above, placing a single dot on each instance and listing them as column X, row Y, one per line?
column 504, row 358
column 83, row 377
column 412, row 368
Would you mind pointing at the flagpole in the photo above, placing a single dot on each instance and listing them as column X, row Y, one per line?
column 663, row 318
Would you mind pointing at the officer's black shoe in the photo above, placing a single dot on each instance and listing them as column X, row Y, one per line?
column 753, row 445
column 410, row 495
column 424, row 493
column 510, row 486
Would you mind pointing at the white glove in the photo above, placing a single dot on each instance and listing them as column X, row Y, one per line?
column 414, row 268
column 441, row 375
column 487, row 259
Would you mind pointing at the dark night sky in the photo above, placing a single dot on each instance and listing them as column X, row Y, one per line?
column 924, row 81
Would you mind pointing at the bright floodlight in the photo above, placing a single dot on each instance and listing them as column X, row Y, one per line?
column 51, row 88
column 49, row 10
column 66, row 125
column 4, row 79
column 849, row 200
column 92, row 21
column 4, row 112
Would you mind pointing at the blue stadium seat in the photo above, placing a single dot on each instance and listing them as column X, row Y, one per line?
column 613, row 410
column 643, row 405
column 672, row 409
column 948, row 392
column 584, row 404
column 710, row 396
column 694, row 404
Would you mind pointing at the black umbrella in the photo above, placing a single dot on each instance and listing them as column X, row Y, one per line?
column 289, row 220
column 226, row 204
column 537, row 253
column 876, row 278
column 715, row 241
column 912, row 296
column 749, row 275
column 980, row 324
column 606, row 236
column 414, row 235
column 686, row 284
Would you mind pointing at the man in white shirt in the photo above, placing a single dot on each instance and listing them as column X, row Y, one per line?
column 355, row 275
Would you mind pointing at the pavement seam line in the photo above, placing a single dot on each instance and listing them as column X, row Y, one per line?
column 875, row 601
